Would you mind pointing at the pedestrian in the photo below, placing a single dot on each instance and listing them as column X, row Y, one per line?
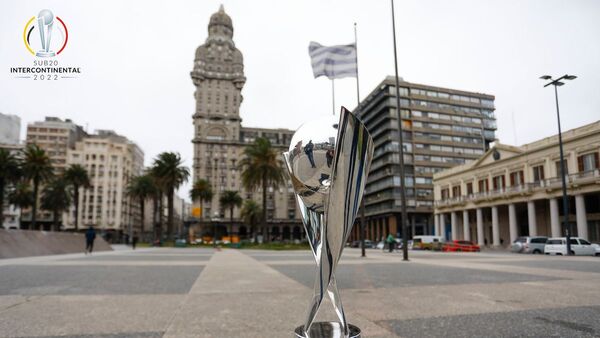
column 308, row 150
column 390, row 241
column 90, row 236
column 134, row 240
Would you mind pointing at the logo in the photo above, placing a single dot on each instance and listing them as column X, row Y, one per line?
column 45, row 28
column 45, row 37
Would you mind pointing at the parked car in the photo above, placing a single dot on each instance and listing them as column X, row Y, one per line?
column 368, row 244
column 579, row 247
column 458, row 246
column 427, row 243
column 596, row 248
column 529, row 244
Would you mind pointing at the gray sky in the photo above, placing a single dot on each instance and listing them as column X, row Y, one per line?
column 136, row 57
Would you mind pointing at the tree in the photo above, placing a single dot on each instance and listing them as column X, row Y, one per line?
column 9, row 174
column 201, row 191
column 37, row 167
column 141, row 188
column 171, row 174
column 77, row 177
column 229, row 200
column 21, row 196
column 251, row 213
column 56, row 197
column 262, row 168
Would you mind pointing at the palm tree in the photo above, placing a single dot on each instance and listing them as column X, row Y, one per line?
column 141, row 188
column 37, row 167
column 171, row 174
column 21, row 196
column 201, row 191
column 77, row 177
column 251, row 214
column 9, row 174
column 229, row 200
column 57, row 198
column 261, row 168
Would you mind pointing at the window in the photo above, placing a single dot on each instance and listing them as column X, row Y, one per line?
column 516, row 178
column 559, row 168
column 483, row 185
column 584, row 242
column 588, row 162
column 445, row 194
column 456, row 191
column 538, row 173
column 470, row 188
column 498, row 182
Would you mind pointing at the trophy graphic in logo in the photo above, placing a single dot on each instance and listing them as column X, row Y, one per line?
column 328, row 162
column 45, row 22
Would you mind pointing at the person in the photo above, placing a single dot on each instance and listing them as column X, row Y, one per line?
column 329, row 157
column 308, row 150
column 90, row 236
column 390, row 241
column 134, row 240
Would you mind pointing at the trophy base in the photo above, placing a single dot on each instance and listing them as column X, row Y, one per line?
column 45, row 54
column 327, row 330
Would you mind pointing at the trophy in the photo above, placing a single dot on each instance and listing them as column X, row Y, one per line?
column 328, row 162
column 45, row 23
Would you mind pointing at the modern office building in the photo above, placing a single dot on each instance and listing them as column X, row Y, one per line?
column 219, row 137
column 111, row 161
column 442, row 128
column 10, row 129
column 517, row 191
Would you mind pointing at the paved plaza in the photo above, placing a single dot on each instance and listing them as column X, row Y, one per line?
column 161, row 292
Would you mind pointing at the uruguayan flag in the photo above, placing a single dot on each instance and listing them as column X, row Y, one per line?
column 335, row 62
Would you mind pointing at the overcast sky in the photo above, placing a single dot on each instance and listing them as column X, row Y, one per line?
column 136, row 57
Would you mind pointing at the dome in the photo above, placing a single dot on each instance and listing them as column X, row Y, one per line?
column 220, row 18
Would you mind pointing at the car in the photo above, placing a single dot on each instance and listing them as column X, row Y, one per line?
column 579, row 247
column 529, row 244
column 427, row 243
column 368, row 244
column 460, row 245
column 596, row 249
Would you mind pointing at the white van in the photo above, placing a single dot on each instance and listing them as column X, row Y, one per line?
column 579, row 246
column 427, row 243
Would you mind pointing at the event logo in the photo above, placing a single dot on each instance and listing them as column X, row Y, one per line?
column 53, row 37
column 45, row 24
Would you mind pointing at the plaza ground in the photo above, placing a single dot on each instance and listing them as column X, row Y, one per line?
column 169, row 292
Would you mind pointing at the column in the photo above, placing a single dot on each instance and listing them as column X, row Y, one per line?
column 466, row 232
column 413, row 227
column 531, row 218
column 443, row 227
column 495, row 227
column 453, row 225
column 512, row 222
column 480, row 234
column 436, row 224
column 554, row 218
column 582, row 229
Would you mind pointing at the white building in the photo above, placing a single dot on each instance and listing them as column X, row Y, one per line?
column 10, row 129
column 111, row 161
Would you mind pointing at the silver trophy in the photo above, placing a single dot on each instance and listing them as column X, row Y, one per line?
column 45, row 23
column 328, row 162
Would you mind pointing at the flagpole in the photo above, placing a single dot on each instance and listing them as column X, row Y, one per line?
column 362, row 202
column 401, row 145
column 333, row 96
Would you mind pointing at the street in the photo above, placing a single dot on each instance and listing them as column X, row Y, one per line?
column 167, row 292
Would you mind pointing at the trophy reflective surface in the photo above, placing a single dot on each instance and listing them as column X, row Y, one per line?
column 45, row 23
column 328, row 162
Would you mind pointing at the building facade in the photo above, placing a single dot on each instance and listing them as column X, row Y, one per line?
column 219, row 137
column 442, row 128
column 10, row 129
column 517, row 191
column 111, row 161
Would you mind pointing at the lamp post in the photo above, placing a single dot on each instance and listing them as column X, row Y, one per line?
column 557, row 83
column 215, row 219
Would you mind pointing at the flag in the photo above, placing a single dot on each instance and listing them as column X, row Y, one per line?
column 335, row 62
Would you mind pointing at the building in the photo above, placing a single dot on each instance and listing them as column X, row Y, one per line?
column 10, row 129
column 220, row 138
column 442, row 128
column 55, row 137
column 111, row 161
column 517, row 191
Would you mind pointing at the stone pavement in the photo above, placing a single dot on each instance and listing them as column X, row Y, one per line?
column 162, row 292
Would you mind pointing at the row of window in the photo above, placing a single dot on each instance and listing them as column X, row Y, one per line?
column 461, row 129
column 436, row 105
column 449, row 149
column 448, row 138
column 443, row 159
column 443, row 95
column 439, row 116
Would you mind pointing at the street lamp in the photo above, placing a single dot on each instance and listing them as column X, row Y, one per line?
column 215, row 219
column 557, row 83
